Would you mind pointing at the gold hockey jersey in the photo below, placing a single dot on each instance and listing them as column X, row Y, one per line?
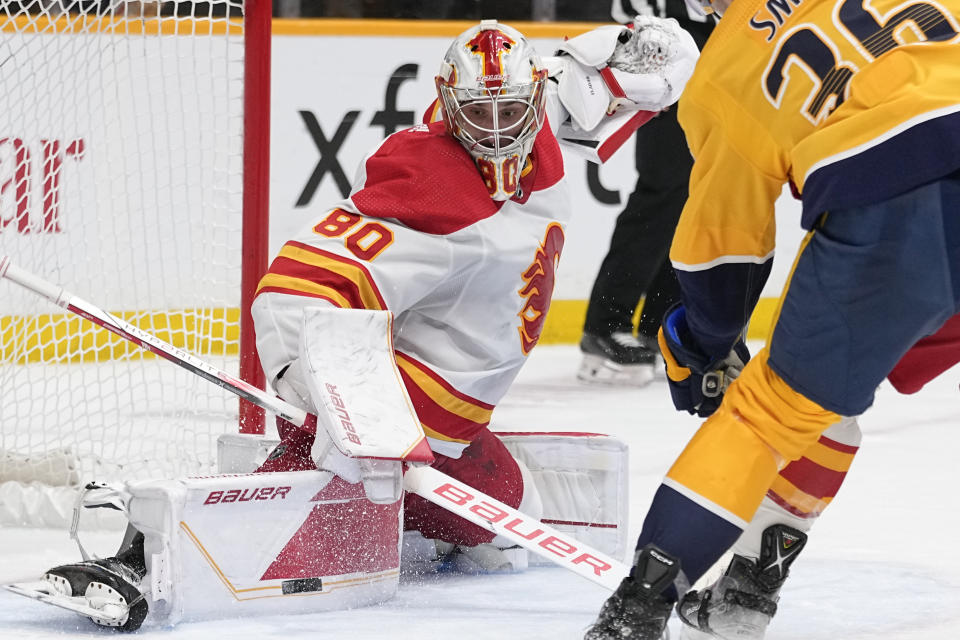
column 852, row 101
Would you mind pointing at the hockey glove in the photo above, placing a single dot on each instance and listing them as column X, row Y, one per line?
column 697, row 382
column 612, row 67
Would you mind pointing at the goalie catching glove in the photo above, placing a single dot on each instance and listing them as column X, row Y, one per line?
column 697, row 381
column 643, row 68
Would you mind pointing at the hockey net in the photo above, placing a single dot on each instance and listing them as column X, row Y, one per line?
column 122, row 147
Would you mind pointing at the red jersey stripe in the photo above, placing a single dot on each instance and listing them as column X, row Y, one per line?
column 813, row 479
column 436, row 420
column 838, row 446
column 427, row 371
column 310, row 271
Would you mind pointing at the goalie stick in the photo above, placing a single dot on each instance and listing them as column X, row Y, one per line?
column 148, row 341
column 435, row 486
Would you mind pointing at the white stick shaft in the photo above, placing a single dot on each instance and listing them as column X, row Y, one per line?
column 150, row 342
column 529, row 533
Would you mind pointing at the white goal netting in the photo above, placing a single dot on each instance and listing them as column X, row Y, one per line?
column 121, row 180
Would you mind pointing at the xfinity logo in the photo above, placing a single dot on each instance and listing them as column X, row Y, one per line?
column 389, row 118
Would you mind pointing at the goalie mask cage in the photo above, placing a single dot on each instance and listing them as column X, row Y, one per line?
column 134, row 149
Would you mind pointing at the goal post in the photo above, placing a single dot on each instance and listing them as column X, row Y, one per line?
column 134, row 168
column 256, row 194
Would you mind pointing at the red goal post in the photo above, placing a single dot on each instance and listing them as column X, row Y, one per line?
column 256, row 194
column 134, row 168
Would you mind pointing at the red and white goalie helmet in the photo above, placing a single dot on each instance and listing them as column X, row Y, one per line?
column 492, row 87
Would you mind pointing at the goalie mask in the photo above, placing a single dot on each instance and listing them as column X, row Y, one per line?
column 492, row 87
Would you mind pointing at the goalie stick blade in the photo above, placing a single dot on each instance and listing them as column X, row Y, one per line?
column 42, row 591
column 499, row 518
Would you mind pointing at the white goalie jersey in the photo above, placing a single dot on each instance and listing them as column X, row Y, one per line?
column 467, row 278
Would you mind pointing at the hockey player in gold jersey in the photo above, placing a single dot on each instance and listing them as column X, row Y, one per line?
column 855, row 104
column 443, row 259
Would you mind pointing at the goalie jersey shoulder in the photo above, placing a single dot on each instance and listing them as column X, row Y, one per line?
column 424, row 179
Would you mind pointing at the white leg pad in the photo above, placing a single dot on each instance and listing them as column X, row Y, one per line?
column 243, row 453
column 263, row 544
column 582, row 482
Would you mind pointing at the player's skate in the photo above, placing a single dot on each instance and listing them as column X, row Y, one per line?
column 424, row 555
column 741, row 603
column 637, row 609
column 106, row 591
column 490, row 558
column 619, row 359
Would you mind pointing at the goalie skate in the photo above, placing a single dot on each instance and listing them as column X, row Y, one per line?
column 103, row 590
column 424, row 555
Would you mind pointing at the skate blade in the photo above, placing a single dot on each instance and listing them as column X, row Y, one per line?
column 43, row 591
column 753, row 629
column 600, row 371
column 689, row 633
column 487, row 559
column 744, row 630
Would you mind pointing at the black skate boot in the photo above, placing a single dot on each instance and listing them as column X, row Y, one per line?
column 740, row 604
column 110, row 585
column 638, row 609
column 619, row 359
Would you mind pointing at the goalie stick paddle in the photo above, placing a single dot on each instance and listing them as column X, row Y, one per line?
column 435, row 486
column 503, row 520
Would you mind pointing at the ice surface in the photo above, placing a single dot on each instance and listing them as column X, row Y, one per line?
column 882, row 563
